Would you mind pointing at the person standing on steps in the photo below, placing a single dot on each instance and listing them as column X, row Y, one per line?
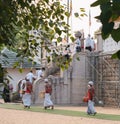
column 39, row 73
column 48, row 91
column 92, row 44
column 88, row 43
column 78, row 44
column 30, row 76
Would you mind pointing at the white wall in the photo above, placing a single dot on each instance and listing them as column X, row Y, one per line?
column 107, row 45
column 110, row 45
column 17, row 76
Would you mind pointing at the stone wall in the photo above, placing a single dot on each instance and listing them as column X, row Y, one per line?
column 86, row 66
column 70, row 88
column 108, row 80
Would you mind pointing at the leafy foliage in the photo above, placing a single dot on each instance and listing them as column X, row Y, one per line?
column 82, row 13
column 110, row 11
column 19, row 18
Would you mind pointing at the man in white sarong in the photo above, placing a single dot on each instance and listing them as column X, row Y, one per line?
column 90, row 94
column 27, row 95
column 48, row 90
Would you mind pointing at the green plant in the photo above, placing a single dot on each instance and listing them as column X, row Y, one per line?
column 110, row 12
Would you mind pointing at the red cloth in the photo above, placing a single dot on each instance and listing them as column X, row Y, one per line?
column 90, row 93
column 48, row 88
column 28, row 87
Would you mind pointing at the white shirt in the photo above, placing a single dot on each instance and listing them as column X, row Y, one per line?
column 92, row 44
column 30, row 76
column 78, row 42
column 39, row 73
column 88, row 42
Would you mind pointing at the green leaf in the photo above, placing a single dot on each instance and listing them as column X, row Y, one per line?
column 20, row 23
column 78, row 58
column 98, row 2
column 50, row 12
column 48, row 50
column 76, row 14
column 116, row 55
column 30, row 27
column 116, row 34
column 104, row 36
column 72, row 38
column 46, row 1
column 67, row 14
column 62, row 17
column 82, row 9
column 59, row 39
column 106, row 7
column 107, row 28
column 58, row 31
column 20, row 70
column 105, row 16
column 16, row 64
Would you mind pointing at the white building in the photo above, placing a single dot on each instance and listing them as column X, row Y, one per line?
column 108, row 45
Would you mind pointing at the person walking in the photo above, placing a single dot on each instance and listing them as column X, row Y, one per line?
column 30, row 77
column 26, row 98
column 90, row 96
column 47, row 100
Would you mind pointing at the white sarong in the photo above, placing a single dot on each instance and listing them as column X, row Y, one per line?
column 47, row 100
column 26, row 99
column 91, row 108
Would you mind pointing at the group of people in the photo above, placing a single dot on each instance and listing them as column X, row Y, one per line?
column 26, row 89
column 89, row 44
column 26, row 86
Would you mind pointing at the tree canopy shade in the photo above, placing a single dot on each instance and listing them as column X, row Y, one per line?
column 48, row 18
column 18, row 17
column 110, row 12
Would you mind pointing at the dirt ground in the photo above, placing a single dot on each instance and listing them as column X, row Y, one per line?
column 8, row 116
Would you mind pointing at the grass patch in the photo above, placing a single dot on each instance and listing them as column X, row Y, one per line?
column 111, row 117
